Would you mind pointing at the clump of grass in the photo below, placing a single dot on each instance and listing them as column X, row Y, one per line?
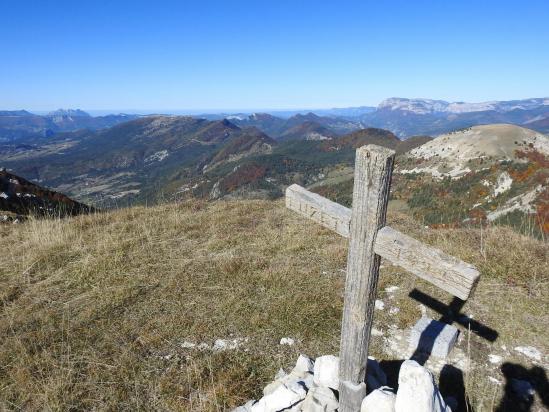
column 94, row 309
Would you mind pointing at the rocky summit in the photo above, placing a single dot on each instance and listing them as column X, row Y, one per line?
column 312, row 386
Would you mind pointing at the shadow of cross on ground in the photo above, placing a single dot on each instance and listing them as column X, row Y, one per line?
column 450, row 313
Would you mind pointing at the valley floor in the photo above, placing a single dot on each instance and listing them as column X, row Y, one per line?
column 183, row 306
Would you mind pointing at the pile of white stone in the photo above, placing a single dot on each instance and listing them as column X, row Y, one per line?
column 312, row 387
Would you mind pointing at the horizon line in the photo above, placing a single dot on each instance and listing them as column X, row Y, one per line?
column 249, row 110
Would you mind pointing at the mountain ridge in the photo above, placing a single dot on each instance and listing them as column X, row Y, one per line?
column 22, row 197
column 22, row 125
column 424, row 106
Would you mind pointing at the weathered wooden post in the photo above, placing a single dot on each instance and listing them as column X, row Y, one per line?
column 373, row 169
column 370, row 239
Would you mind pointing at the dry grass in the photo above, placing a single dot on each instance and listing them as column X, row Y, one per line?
column 93, row 310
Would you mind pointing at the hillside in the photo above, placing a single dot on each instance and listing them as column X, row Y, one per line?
column 484, row 174
column 540, row 123
column 492, row 173
column 298, row 125
column 156, row 157
column 138, row 160
column 21, row 125
column 182, row 307
column 404, row 117
column 457, row 153
column 307, row 162
column 408, row 117
column 21, row 197
column 308, row 130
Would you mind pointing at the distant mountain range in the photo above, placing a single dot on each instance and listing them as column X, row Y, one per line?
column 488, row 172
column 404, row 117
column 300, row 126
column 428, row 106
column 165, row 156
column 21, row 124
column 68, row 113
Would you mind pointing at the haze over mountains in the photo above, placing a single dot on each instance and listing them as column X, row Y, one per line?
column 156, row 156
column 404, row 117
column 409, row 117
column 21, row 124
column 111, row 159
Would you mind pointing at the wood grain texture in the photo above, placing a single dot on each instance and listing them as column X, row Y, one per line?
column 351, row 396
column 431, row 264
column 319, row 209
column 373, row 169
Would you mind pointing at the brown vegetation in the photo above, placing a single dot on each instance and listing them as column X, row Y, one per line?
column 94, row 309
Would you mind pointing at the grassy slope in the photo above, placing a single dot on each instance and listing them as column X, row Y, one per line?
column 93, row 309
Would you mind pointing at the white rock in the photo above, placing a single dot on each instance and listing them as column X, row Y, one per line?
column 394, row 311
column 188, row 345
column 287, row 341
column 380, row 400
column 284, row 397
column 247, row 407
column 391, row 289
column 273, row 386
column 529, row 352
column 376, row 332
column 495, row 359
column 433, row 337
column 503, row 184
column 258, row 407
column 228, row 344
column 320, row 400
column 417, row 391
column 304, row 364
column 302, row 372
column 379, row 305
column 280, row 374
column 308, row 381
column 494, row 380
column 326, row 371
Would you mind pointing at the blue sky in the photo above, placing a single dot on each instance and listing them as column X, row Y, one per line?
column 162, row 55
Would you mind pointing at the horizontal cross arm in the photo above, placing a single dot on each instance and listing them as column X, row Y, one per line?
column 429, row 263
column 319, row 209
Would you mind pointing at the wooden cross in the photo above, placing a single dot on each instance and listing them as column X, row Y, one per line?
column 369, row 240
